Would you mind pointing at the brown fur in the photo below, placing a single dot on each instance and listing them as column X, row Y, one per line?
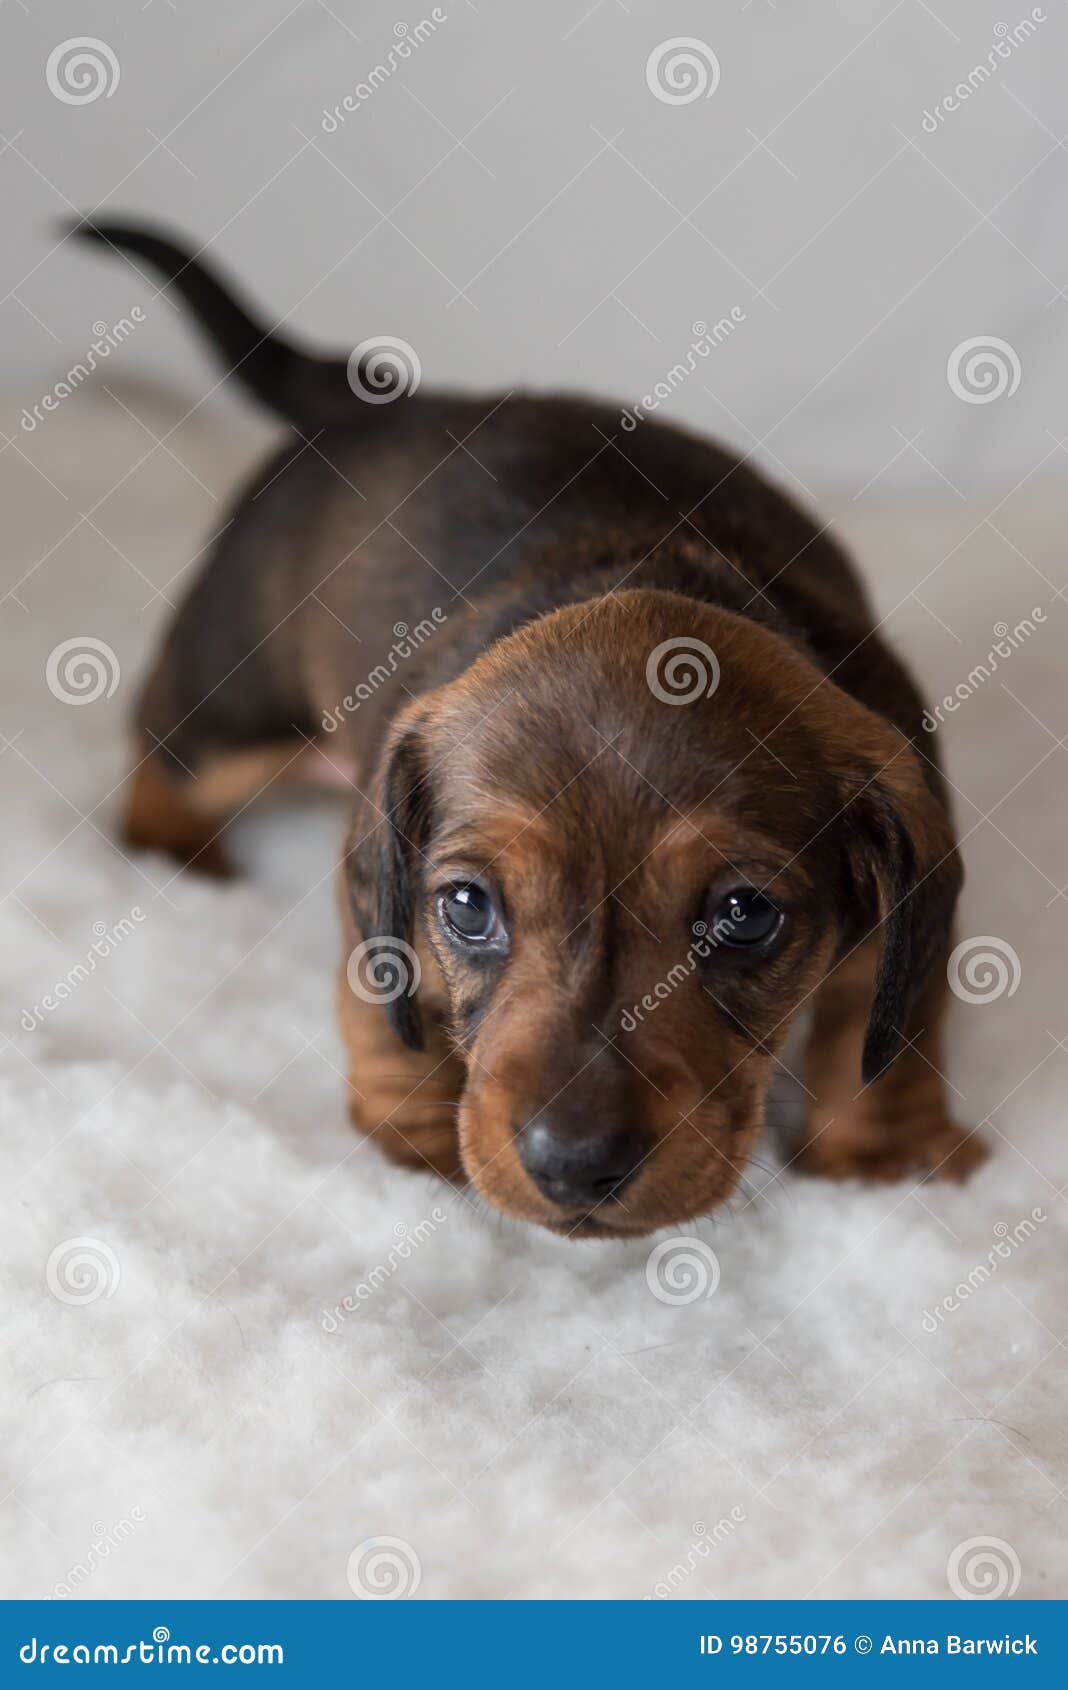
column 519, row 740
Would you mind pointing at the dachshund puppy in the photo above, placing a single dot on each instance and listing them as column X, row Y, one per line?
column 635, row 781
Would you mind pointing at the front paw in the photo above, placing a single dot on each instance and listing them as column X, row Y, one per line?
column 937, row 1150
column 417, row 1135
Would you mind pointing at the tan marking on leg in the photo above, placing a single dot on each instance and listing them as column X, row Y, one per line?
column 900, row 1124
column 184, row 815
column 406, row 1101
column 161, row 816
column 228, row 780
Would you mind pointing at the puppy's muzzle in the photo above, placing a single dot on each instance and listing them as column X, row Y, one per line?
column 579, row 1165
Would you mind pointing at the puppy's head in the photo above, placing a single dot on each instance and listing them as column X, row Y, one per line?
column 629, row 842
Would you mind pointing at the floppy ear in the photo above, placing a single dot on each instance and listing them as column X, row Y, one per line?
column 384, row 862
column 902, row 843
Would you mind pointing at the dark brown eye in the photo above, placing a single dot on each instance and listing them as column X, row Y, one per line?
column 470, row 913
column 745, row 920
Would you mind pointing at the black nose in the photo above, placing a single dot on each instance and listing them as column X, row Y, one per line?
column 576, row 1168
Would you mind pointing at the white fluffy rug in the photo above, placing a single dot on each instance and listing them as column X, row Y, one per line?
column 523, row 1415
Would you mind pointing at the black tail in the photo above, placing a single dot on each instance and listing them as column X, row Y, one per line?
column 305, row 389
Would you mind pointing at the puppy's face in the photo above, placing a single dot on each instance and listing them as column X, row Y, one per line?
column 629, row 842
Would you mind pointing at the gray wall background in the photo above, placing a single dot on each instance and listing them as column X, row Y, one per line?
column 516, row 203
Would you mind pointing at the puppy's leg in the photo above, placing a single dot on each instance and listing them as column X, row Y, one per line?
column 162, row 814
column 406, row 1101
column 900, row 1123
column 184, row 812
